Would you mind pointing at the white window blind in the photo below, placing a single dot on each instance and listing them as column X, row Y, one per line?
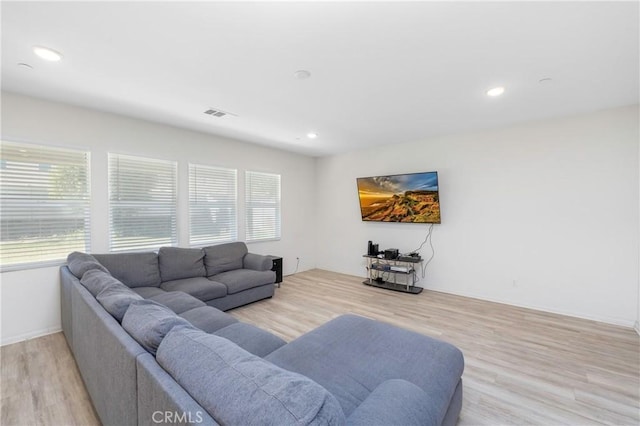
column 262, row 206
column 212, row 205
column 45, row 204
column 142, row 203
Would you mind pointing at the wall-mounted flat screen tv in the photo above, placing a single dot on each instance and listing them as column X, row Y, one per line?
column 409, row 198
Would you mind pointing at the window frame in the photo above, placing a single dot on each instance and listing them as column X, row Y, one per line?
column 151, row 166
column 194, row 168
column 251, row 204
column 35, row 181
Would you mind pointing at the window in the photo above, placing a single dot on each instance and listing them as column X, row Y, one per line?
column 45, row 202
column 262, row 206
column 212, row 205
column 142, row 203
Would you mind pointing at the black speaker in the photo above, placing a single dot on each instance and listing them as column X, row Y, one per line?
column 391, row 254
column 277, row 268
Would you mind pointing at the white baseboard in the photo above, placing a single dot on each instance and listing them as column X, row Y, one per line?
column 31, row 335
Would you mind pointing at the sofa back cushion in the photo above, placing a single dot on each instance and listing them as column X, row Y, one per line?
column 177, row 263
column 133, row 269
column 96, row 280
column 79, row 263
column 116, row 299
column 224, row 257
column 148, row 322
column 237, row 387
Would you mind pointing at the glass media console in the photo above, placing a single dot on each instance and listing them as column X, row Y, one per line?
column 393, row 274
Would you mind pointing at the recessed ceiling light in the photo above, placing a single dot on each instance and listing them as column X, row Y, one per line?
column 302, row 74
column 496, row 91
column 47, row 54
column 312, row 135
column 25, row 66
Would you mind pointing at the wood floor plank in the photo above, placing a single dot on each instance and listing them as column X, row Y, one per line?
column 41, row 385
column 522, row 366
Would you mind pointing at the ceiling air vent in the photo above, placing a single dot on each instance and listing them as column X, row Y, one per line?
column 217, row 112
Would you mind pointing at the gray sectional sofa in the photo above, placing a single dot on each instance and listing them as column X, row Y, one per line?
column 224, row 276
column 152, row 357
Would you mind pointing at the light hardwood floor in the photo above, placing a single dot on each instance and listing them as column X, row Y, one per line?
column 521, row 366
column 41, row 385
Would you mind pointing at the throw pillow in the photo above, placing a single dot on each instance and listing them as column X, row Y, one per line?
column 148, row 322
column 79, row 263
column 239, row 388
column 116, row 299
column 96, row 280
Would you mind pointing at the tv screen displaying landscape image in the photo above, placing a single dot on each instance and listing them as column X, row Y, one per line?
column 409, row 198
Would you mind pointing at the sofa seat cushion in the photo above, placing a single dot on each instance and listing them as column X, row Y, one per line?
column 177, row 263
column 224, row 257
column 116, row 299
column 208, row 318
column 79, row 263
column 351, row 355
column 199, row 287
column 251, row 338
column 178, row 301
column 244, row 279
column 148, row 322
column 148, row 292
column 96, row 280
column 238, row 388
column 133, row 269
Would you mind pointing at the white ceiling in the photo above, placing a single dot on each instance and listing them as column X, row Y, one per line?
column 381, row 72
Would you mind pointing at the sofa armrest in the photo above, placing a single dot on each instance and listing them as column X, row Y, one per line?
column 257, row 262
column 395, row 402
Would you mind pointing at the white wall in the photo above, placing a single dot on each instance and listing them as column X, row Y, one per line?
column 30, row 299
column 551, row 205
column 637, row 324
column 542, row 215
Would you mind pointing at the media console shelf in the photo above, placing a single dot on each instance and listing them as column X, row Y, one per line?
column 384, row 273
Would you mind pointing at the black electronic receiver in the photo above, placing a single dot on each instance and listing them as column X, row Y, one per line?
column 391, row 254
column 412, row 257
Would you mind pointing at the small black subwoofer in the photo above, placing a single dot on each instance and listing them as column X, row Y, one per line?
column 277, row 268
